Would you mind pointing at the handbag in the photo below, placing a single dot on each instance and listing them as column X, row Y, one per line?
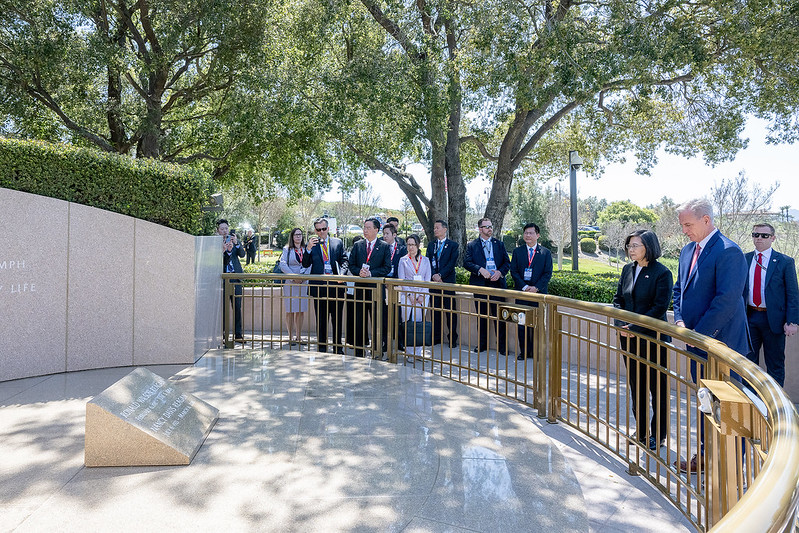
column 418, row 333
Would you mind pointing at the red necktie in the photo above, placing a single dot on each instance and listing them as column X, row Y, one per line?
column 693, row 261
column 758, row 273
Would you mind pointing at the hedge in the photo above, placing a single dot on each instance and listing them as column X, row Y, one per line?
column 583, row 286
column 142, row 188
column 588, row 245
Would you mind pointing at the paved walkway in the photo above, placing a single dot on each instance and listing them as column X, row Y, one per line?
column 317, row 442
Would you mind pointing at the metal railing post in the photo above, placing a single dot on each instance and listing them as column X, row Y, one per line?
column 555, row 385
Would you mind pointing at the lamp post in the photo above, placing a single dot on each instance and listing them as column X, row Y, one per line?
column 575, row 162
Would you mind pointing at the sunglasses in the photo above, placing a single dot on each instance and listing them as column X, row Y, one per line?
column 761, row 235
column 487, row 227
column 320, row 229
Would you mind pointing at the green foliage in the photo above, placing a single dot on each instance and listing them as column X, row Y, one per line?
column 146, row 189
column 593, row 234
column 603, row 243
column 627, row 212
column 585, row 287
column 588, row 245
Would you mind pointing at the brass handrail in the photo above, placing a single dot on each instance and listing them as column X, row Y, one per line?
column 577, row 378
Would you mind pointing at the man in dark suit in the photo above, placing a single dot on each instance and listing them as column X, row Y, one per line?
column 394, row 221
column 250, row 245
column 531, row 270
column 443, row 256
column 487, row 261
column 708, row 291
column 396, row 250
column 231, row 251
column 370, row 258
column 772, row 299
column 326, row 257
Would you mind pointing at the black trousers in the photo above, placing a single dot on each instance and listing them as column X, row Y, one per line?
column 773, row 345
column 235, row 302
column 328, row 305
column 442, row 303
column 484, row 307
column 363, row 315
column 645, row 381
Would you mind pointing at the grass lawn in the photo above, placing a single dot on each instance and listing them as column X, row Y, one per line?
column 590, row 266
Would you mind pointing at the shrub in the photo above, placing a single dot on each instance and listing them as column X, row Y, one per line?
column 585, row 287
column 588, row 245
column 146, row 189
column 603, row 243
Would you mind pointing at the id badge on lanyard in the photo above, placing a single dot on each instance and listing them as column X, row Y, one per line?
column 491, row 265
column 528, row 274
column 328, row 268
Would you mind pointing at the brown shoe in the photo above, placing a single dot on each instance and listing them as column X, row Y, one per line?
column 697, row 462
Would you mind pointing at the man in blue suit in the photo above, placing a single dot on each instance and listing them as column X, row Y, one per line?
column 443, row 256
column 326, row 256
column 487, row 261
column 396, row 250
column 708, row 291
column 231, row 251
column 772, row 299
column 531, row 270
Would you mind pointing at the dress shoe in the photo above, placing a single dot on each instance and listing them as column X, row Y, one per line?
column 521, row 357
column 654, row 444
column 478, row 349
column 692, row 466
column 503, row 351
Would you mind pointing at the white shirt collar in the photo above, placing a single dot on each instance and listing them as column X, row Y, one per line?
column 766, row 255
column 703, row 242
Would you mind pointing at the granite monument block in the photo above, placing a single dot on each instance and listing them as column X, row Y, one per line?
column 145, row 420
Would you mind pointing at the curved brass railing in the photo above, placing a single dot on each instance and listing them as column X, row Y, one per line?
column 577, row 376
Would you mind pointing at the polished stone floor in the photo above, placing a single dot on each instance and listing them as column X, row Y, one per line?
column 317, row 442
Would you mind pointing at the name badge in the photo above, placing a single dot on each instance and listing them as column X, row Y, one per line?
column 528, row 274
column 491, row 265
column 365, row 266
column 434, row 263
column 417, row 277
column 328, row 268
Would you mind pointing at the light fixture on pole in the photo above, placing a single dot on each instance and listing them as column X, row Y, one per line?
column 575, row 162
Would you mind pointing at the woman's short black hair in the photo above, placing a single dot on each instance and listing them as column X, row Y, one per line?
column 416, row 238
column 650, row 241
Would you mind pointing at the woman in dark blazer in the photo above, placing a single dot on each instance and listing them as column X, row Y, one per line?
column 645, row 287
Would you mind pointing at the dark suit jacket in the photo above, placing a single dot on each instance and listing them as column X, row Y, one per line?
column 315, row 259
column 400, row 251
column 251, row 244
column 782, row 294
column 475, row 260
column 445, row 266
column 710, row 301
column 379, row 261
column 650, row 296
column 542, row 268
column 233, row 257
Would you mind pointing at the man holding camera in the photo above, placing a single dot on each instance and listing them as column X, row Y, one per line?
column 326, row 256
column 231, row 251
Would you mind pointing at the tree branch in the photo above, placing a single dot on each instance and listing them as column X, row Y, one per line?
column 405, row 180
column 393, row 29
column 480, row 146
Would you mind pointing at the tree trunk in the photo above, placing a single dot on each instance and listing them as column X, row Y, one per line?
column 456, row 188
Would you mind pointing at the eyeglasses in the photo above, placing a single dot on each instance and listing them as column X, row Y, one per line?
column 761, row 235
column 486, row 227
column 634, row 245
column 320, row 229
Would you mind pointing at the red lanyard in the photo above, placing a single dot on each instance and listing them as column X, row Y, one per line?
column 299, row 253
column 415, row 265
column 393, row 250
column 530, row 262
column 325, row 255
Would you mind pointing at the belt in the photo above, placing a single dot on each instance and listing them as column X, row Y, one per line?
column 759, row 309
